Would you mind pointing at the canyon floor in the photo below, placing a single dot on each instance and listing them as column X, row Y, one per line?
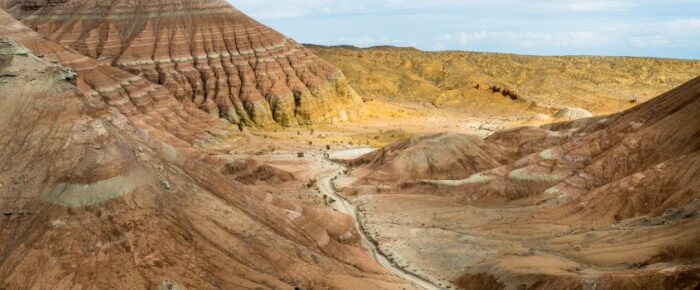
column 314, row 156
column 426, row 232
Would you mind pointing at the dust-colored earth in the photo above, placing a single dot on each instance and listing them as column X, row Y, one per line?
column 601, row 85
column 148, row 146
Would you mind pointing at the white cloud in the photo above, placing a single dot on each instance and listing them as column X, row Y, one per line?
column 276, row 9
column 363, row 41
column 684, row 25
column 464, row 38
column 683, row 32
column 601, row 6
column 629, row 27
column 650, row 41
column 526, row 39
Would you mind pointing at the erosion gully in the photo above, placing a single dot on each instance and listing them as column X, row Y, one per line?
column 343, row 205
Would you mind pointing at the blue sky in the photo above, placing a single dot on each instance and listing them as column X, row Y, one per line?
column 659, row 28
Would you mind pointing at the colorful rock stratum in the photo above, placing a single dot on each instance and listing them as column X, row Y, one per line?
column 206, row 52
column 104, row 185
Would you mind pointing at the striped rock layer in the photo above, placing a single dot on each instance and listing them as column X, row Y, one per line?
column 207, row 53
column 98, row 162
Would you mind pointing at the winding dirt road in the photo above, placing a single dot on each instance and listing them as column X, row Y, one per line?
column 343, row 205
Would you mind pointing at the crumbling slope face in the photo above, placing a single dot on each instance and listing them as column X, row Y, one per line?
column 207, row 53
column 638, row 162
column 102, row 184
column 647, row 160
column 59, row 132
column 157, row 114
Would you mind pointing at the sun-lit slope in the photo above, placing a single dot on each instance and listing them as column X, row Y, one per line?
column 612, row 201
column 103, row 186
column 598, row 84
column 208, row 54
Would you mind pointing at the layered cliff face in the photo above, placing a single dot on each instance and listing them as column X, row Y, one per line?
column 103, row 185
column 207, row 53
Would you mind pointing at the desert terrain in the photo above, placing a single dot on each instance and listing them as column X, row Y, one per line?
column 181, row 144
column 600, row 85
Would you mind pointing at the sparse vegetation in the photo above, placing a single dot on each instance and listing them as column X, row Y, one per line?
column 311, row 183
column 328, row 201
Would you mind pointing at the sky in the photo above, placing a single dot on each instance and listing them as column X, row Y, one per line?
column 658, row 28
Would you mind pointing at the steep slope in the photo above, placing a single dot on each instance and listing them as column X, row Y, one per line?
column 209, row 54
column 472, row 80
column 103, row 186
column 609, row 202
column 649, row 155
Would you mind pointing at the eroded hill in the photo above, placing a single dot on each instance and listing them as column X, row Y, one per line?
column 208, row 54
column 478, row 82
column 104, row 184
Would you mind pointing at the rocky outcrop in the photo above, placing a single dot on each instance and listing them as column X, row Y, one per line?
column 208, row 54
column 251, row 171
column 506, row 92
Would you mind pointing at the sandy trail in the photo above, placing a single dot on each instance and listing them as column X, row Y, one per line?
column 350, row 153
column 343, row 205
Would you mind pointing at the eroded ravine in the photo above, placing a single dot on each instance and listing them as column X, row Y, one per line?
column 343, row 205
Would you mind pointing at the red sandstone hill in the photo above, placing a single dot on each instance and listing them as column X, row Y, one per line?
column 102, row 186
column 208, row 54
